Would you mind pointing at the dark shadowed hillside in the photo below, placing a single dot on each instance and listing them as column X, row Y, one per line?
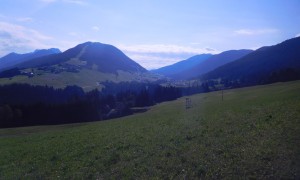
column 280, row 62
column 212, row 63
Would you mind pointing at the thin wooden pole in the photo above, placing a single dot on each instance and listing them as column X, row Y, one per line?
column 222, row 95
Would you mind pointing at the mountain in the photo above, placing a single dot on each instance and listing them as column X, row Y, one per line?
column 87, row 65
column 13, row 59
column 280, row 62
column 109, row 59
column 211, row 63
column 181, row 66
column 102, row 57
column 219, row 60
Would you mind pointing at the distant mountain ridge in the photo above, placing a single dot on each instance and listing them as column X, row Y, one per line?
column 204, row 64
column 181, row 66
column 13, row 59
column 263, row 65
column 90, row 64
column 214, row 62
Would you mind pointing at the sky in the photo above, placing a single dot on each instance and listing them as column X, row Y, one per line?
column 154, row 33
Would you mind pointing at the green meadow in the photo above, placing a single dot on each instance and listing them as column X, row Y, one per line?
column 253, row 133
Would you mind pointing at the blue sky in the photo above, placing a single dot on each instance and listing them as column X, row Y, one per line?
column 154, row 33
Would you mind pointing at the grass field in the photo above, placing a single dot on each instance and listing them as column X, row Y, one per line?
column 253, row 133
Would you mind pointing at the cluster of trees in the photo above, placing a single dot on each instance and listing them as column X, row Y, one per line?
column 10, row 73
column 146, row 94
column 288, row 74
column 24, row 105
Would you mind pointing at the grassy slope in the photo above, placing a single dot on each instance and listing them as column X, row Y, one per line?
column 254, row 132
column 87, row 79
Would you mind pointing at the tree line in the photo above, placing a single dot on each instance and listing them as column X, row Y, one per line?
column 26, row 105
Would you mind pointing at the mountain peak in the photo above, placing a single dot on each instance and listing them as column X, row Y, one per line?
column 107, row 58
column 51, row 51
column 11, row 54
column 13, row 58
column 92, row 43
